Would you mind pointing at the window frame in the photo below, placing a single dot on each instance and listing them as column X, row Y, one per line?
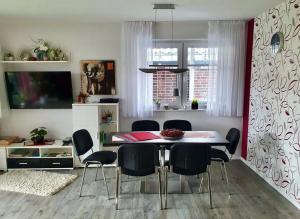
column 182, row 46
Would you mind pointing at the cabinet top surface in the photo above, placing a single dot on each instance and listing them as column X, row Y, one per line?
column 94, row 104
column 57, row 144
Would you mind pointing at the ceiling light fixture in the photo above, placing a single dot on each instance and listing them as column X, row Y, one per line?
column 157, row 68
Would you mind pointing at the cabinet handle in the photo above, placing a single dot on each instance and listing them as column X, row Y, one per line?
column 23, row 163
column 56, row 163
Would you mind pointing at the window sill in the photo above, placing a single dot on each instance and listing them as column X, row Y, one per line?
column 179, row 110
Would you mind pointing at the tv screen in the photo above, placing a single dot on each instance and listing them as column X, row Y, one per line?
column 39, row 90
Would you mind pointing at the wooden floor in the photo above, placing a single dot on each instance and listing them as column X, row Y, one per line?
column 250, row 197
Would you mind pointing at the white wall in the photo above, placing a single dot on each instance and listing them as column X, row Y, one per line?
column 90, row 41
column 82, row 41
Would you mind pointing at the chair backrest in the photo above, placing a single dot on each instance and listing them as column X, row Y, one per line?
column 145, row 125
column 82, row 141
column 190, row 159
column 184, row 125
column 233, row 136
column 138, row 159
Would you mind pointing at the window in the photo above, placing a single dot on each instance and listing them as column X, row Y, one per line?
column 164, row 82
column 194, row 84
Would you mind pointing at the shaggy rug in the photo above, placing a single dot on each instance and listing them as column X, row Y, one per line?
column 40, row 183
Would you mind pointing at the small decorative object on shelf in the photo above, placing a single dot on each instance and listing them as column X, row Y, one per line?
column 38, row 135
column 25, row 55
column 81, row 98
column 8, row 56
column 41, row 50
column 202, row 104
column 107, row 116
column 195, row 104
column 157, row 104
column 102, row 137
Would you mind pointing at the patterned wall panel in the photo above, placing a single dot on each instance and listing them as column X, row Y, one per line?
column 274, row 121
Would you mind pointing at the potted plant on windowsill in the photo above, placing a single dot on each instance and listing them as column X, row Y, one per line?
column 38, row 135
column 157, row 104
column 194, row 104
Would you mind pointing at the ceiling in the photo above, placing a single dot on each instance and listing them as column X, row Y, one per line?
column 128, row 10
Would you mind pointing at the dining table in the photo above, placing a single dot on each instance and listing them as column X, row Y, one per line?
column 214, row 138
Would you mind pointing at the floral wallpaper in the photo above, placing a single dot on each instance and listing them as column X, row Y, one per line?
column 274, row 120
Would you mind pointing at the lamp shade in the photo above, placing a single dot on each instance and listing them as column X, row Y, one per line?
column 176, row 92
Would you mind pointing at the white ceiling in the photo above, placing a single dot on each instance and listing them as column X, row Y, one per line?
column 125, row 10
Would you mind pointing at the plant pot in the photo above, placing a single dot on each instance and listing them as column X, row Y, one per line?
column 38, row 140
column 157, row 105
column 194, row 106
column 109, row 119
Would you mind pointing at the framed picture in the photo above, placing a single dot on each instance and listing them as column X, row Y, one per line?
column 98, row 77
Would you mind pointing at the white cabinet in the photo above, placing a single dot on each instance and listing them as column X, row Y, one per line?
column 92, row 117
column 3, row 165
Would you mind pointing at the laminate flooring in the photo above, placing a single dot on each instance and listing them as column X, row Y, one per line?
column 250, row 197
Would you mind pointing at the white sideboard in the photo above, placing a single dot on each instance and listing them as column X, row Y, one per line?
column 20, row 156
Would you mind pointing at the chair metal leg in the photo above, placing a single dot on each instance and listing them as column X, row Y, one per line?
column 201, row 183
column 209, row 187
column 166, row 187
column 117, row 188
column 222, row 173
column 83, row 176
column 96, row 172
column 225, row 171
column 105, row 181
column 145, row 184
column 226, row 177
column 160, row 192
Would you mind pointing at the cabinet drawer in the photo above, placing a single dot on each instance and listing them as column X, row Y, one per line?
column 15, row 163
column 57, row 163
column 21, row 163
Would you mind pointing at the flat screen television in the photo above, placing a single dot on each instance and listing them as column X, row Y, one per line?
column 39, row 90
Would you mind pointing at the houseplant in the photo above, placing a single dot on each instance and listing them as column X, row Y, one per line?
column 157, row 104
column 9, row 56
column 38, row 135
column 107, row 116
column 195, row 104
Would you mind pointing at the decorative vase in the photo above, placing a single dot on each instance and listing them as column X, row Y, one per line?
column 194, row 106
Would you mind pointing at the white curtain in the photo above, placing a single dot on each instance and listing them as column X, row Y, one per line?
column 226, row 43
column 137, row 90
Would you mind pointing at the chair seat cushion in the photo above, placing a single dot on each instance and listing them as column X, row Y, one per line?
column 218, row 155
column 104, row 157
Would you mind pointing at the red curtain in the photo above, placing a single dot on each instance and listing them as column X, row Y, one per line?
column 250, row 31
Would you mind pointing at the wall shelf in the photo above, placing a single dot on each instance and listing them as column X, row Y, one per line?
column 32, row 62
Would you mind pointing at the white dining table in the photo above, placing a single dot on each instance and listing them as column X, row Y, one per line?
column 213, row 138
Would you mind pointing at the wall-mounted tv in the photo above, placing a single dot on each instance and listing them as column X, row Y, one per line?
column 39, row 90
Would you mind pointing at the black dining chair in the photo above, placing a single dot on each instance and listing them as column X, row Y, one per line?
column 137, row 160
column 189, row 160
column 217, row 155
column 184, row 125
column 84, row 143
column 145, row 125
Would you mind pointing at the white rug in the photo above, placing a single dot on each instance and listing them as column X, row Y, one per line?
column 40, row 183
